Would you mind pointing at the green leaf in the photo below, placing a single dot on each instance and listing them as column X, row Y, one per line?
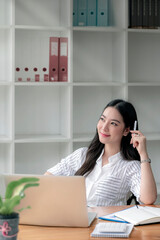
column 9, row 204
column 20, row 191
column 15, row 192
column 20, row 210
column 14, row 184
column 3, row 210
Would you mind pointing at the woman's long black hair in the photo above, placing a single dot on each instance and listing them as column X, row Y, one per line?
column 129, row 115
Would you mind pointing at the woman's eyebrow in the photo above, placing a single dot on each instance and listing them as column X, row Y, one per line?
column 111, row 119
column 116, row 120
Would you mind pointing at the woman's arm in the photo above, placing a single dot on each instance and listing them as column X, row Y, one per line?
column 48, row 173
column 69, row 165
column 148, row 190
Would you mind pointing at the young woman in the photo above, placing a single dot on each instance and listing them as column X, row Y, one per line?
column 116, row 163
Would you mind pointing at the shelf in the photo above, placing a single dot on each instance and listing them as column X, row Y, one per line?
column 41, row 28
column 83, row 137
column 40, row 110
column 98, row 29
column 143, row 57
column 5, row 83
column 29, row 138
column 5, row 27
column 98, row 84
column 32, row 52
column 5, row 139
column 145, row 84
column 140, row 30
column 42, row 13
column 52, row 84
column 59, row 84
column 36, row 158
column 101, row 51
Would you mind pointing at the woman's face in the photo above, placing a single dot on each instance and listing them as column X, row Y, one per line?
column 111, row 127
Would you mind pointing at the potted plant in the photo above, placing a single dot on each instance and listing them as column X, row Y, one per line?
column 9, row 219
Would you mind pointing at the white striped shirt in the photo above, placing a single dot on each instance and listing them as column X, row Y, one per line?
column 106, row 185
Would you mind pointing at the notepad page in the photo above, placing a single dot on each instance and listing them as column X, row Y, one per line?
column 153, row 210
column 112, row 227
column 125, row 234
column 134, row 215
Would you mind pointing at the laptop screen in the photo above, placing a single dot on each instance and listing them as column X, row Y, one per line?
column 57, row 201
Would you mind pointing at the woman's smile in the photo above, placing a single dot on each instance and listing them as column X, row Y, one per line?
column 105, row 135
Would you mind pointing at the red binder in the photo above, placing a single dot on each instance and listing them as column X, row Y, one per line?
column 53, row 59
column 63, row 60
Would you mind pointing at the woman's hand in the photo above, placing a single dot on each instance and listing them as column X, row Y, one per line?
column 148, row 191
column 139, row 142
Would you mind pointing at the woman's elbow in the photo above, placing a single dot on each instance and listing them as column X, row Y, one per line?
column 150, row 200
column 48, row 173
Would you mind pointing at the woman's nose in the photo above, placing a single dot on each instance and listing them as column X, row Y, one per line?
column 105, row 126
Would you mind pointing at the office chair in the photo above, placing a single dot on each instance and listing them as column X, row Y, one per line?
column 132, row 198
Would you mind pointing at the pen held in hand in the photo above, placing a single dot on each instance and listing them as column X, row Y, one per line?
column 135, row 126
column 134, row 129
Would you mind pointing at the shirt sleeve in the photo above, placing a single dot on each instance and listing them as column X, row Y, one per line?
column 69, row 165
column 134, row 178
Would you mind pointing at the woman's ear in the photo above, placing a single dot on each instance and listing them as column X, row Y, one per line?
column 126, row 131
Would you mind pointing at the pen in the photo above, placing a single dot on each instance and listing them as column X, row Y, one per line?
column 137, row 206
column 135, row 126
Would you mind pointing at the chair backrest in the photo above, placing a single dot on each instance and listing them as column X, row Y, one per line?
column 132, row 200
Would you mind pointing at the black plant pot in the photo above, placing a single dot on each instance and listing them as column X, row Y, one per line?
column 9, row 226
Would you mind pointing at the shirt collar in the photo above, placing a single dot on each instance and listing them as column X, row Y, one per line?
column 112, row 159
column 115, row 157
column 99, row 160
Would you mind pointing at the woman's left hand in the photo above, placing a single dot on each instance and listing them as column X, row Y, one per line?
column 139, row 141
column 148, row 191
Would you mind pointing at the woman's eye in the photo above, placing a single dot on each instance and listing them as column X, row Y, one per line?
column 101, row 118
column 113, row 123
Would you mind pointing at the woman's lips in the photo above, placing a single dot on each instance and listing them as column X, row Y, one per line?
column 105, row 135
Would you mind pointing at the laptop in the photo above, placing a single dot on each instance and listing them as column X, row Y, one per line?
column 57, row 201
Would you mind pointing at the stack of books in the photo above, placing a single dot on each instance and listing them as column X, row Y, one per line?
column 144, row 13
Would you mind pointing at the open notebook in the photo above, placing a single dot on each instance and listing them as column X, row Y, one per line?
column 57, row 201
column 139, row 215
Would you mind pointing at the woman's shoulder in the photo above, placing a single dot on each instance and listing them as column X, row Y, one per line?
column 81, row 150
column 78, row 154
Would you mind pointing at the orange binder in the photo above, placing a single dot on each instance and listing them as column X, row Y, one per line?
column 63, row 60
column 53, row 59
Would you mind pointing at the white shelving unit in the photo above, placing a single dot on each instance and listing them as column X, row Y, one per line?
column 41, row 122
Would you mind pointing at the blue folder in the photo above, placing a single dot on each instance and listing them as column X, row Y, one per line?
column 102, row 13
column 92, row 13
column 75, row 13
column 82, row 12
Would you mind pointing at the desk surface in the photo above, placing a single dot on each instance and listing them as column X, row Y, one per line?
column 146, row 232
